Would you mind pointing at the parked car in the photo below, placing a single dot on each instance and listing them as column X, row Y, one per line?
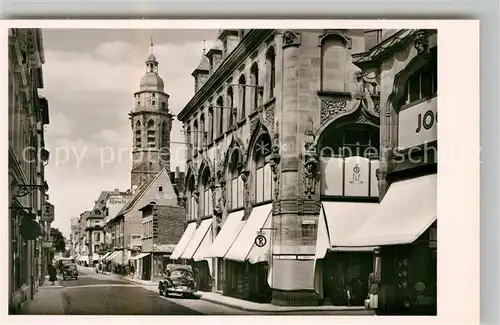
column 178, row 279
column 70, row 272
column 63, row 262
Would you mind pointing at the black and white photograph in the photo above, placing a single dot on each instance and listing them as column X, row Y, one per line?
column 221, row 171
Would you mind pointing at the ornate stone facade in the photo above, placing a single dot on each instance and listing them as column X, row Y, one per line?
column 291, row 94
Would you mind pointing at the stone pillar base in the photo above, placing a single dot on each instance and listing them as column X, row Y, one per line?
column 295, row 298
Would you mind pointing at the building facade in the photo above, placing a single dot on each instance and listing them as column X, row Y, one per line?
column 83, row 240
column 281, row 168
column 113, row 235
column 28, row 114
column 162, row 228
column 404, row 228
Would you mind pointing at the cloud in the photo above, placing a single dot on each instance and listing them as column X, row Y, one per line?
column 90, row 94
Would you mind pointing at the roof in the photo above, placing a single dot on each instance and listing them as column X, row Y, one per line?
column 140, row 193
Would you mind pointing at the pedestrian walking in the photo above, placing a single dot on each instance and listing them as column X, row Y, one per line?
column 52, row 273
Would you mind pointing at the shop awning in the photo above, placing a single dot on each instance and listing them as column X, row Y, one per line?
column 184, row 241
column 83, row 258
column 116, row 258
column 197, row 239
column 227, row 235
column 408, row 209
column 244, row 247
column 111, row 255
column 95, row 257
column 141, row 255
column 104, row 257
column 337, row 222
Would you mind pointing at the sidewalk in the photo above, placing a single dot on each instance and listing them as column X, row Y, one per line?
column 245, row 305
column 46, row 301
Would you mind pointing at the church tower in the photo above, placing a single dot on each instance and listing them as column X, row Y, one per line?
column 151, row 123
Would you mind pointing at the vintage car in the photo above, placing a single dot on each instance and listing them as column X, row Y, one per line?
column 178, row 279
column 70, row 272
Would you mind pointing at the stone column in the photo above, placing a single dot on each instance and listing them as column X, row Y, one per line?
column 291, row 273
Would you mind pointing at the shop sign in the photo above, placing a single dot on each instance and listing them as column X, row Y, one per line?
column 47, row 244
column 260, row 240
column 47, row 212
column 418, row 124
column 352, row 176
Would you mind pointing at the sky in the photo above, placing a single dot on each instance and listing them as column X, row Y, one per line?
column 90, row 77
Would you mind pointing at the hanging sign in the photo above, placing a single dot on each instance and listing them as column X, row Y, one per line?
column 260, row 241
column 47, row 212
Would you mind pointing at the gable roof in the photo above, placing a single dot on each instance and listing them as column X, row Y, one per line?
column 141, row 191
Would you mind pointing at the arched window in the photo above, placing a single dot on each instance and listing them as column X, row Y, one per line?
column 254, row 79
column 151, row 134
column 195, row 136
column 138, row 135
column 206, row 198
column 220, row 109
column 203, row 133
column 243, row 95
column 230, row 108
column 210, row 124
column 422, row 84
column 192, row 208
column 351, row 140
column 236, row 182
column 263, row 178
column 190, row 144
column 271, row 71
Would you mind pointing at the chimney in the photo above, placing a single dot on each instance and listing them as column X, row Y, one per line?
column 117, row 190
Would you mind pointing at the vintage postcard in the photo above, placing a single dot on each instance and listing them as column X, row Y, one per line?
column 237, row 170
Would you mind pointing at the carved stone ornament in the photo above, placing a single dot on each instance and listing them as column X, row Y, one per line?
column 196, row 195
column 290, row 38
column 310, row 173
column 253, row 125
column 421, row 42
column 274, row 162
column 332, row 107
column 246, row 193
column 269, row 117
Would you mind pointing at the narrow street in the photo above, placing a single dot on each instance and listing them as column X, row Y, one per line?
column 107, row 294
column 98, row 294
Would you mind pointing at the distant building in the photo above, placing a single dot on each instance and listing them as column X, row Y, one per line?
column 73, row 237
column 162, row 228
column 159, row 190
column 29, row 221
column 114, row 232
